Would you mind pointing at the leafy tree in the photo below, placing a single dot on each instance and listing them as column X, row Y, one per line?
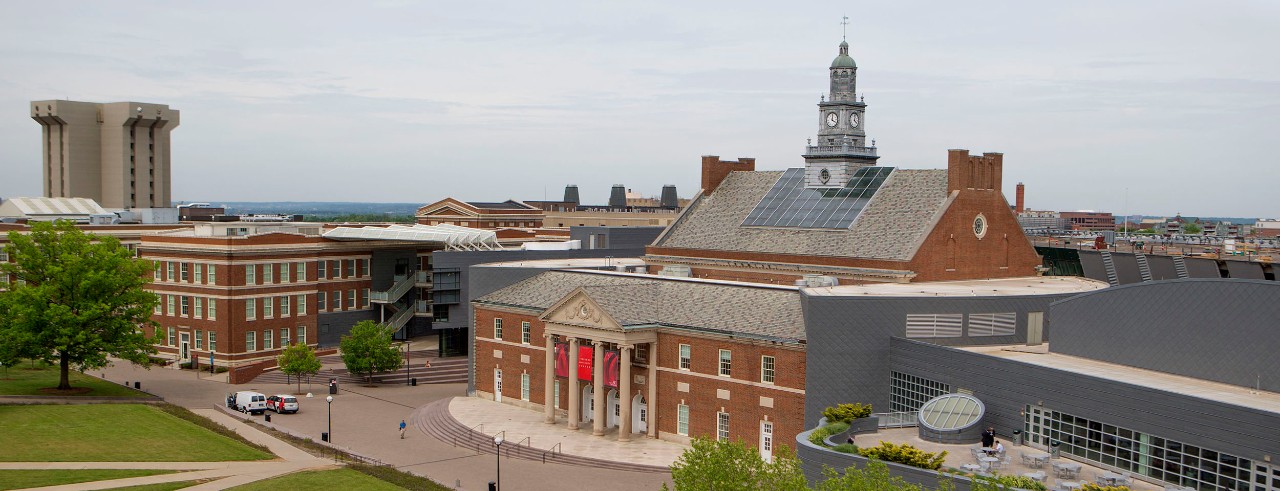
column 875, row 476
column 76, row 301
column 1191, row 228
column 367, row 350
column 299, row 360
column 732, row 466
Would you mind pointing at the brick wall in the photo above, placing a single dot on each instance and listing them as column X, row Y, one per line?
column 715, row 170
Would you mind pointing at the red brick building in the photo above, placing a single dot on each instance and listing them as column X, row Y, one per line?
column 509, row 213
column 1089, row 220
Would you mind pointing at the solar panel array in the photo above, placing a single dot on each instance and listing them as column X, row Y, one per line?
column 790, row 204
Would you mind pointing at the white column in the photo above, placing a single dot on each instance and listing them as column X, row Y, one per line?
column 597, row 427
column 624, row 396
column 575, row 409
column 549, row 381
column 652, row 382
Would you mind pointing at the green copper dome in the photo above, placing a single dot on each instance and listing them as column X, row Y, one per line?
column 843, row 60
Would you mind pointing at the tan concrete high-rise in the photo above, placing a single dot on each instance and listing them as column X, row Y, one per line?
column 115, row 153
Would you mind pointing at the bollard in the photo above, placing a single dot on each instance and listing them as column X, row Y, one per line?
column 324, row 436
column 137, row 385
column 413, row 382
column 266, row 417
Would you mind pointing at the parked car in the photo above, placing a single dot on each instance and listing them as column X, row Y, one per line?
column 282, row 403
column 250, row 402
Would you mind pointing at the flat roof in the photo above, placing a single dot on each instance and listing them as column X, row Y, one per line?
column 1001, row 287
column 1177, row 384
column 584, row 262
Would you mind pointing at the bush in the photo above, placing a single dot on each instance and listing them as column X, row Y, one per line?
column 1011, row 481
column 819, row 435
column 161, row 362
column 846, row 448
column 904, row 454
column 846, row 412
column 186, row 365
column 1088, row 486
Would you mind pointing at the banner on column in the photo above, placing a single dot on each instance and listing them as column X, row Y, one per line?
column 562, row 360
column 585, row 362
column 611, row 367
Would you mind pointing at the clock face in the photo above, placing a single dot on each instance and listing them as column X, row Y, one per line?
column 980, row 226
column 853, row 120
column 832, row 120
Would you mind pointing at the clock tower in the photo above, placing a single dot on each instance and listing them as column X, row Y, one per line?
column 841, row 147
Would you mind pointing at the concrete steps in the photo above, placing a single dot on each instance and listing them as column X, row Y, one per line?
column 434, row 419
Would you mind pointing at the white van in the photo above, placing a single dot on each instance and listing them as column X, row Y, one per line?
column 250, row 402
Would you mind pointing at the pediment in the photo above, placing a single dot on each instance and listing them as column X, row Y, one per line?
column 578, row 309
column 447, row 206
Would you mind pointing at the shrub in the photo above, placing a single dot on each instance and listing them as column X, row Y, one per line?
column 846, row 412
column 1088, row 486
column 819, row 435
column 904, row 454
column 846, row 448
column 1011, row 481
column 186, row 365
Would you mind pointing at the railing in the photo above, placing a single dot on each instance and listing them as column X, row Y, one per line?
column 840, row 150
column 395, row 292
column 902, row 419
column 424, row 307
column 401, row 318
column 557, row 449
column 424, row 278
column 470, row 430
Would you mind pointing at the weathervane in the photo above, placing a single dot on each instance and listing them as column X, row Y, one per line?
column 844, row 29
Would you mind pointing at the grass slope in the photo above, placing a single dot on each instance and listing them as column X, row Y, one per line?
column 111, row 433
column 23, row 380
column 34, row 478
column 307, row 480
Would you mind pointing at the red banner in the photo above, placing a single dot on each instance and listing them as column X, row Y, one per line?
column 585, row 362
column 562, row 360
column 611, row 368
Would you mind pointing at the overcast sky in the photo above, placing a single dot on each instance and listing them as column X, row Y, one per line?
column 1171, row 104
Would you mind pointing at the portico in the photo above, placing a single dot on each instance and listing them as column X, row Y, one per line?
column 588, row 351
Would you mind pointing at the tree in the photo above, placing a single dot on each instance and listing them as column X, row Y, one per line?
column 78, row 299
column 367, row 350
column 1191, row 228
column 298, row 360
column 732, row 466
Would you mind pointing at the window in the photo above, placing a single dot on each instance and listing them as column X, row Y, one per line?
column 337, row 269
column 335, row 300
column 722, row 427
column 908, row 392
column 320, row 302
column 250, row 309
column 524, row 386
column 556, row 394
column 268, row 310
column 159, row 305
column 351, row 298
column 213, row 273
column 250, row 341
column 199, row 301
column 726, row 362
column 199, row 338
column 213, row 341
column 524, row 332
column 284, row 337
column 302, row 334
column 301, row 269
column 156, row 272
column 172, row 336
column 284, row 272
column 268, row 273
column 302, row 305
column 685, row 356
column 185, row 302
column 365, row 296
column 439, row 313
column 351, row 267
column 213, row 309
column 766, row 369
column 324, row 267
column 284, row 306
column 251, row 274
column 266, row 339
column 198, row 270
column 169, row 275
column 170, row 305
column 682, row 420
column 497, row 328
column 184, row 271
column 364, row 267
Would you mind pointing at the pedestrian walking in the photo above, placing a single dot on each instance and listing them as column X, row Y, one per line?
column 402, row 425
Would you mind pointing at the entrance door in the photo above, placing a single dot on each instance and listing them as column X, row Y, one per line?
column 639, row 415
column 497, row 384
column 1037, row 426
column 588, row 404
column 766, row 440
column 615, row 410
column 1035, row 328
column 184, row 341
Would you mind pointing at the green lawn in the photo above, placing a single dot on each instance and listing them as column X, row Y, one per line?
column 24, row 380
column 334, row 479
column 110, row 433
column 22, row 479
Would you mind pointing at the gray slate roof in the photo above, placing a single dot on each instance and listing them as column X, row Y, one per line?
column 755, row 311
column 891, row 226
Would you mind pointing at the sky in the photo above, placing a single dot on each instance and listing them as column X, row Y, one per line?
column 1136, row 107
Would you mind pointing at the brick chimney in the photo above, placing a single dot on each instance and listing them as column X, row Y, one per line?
column 715, row 170
column 1018, row 207
column 965, row 171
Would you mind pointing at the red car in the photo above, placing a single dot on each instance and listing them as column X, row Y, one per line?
column 282, row 403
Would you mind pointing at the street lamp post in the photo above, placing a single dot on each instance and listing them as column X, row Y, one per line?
column 329, row 399
column 497, row 441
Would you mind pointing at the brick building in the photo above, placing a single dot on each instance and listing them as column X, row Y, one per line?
column 1089, row 220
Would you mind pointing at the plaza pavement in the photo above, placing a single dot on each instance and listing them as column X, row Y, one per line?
column 365, row 421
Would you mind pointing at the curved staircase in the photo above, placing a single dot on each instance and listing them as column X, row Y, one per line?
column 450, row 370
column 434, row 419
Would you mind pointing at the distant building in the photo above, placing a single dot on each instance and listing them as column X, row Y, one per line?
column 1267, row 227
column 1090, row 220
column 116, row 153
column 1043, row 220
column 510, row 213
column 50, row 209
